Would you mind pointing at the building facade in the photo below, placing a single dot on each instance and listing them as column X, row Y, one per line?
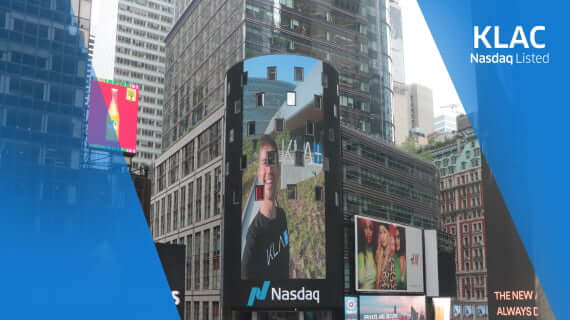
column 421, row 108
column 398, row 67
column 132, row 50
column 43, row 77
column 210, row 36
column 445, row 123
column 463, row 214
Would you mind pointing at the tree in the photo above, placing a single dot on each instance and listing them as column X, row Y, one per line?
column 410, row 147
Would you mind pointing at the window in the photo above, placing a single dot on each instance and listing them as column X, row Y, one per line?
column 196, row 310
column 216, row 266
column 251, row 128
column 260, row 98
column 169, row 213
column 188, row 264
column 299, row 74
column 237, row 106
column 190, row 202
column 299, row 159
column 318, row 101
column 197, row 243
column 182, row 207
column 198, row 199
column 205, row 310
column 208, row 195
column 175, row 211
column 206, row 259
column 217, row 191
column 310, row 128
column 188, row 158
column 271, row 73
column 215, row 310
column 279, row 124
column 291, row 192
column 291, row 98
column 318, row 193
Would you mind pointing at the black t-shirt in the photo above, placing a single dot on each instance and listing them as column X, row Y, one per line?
column 266, row 252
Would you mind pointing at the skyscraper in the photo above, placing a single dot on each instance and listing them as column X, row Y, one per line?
column 137, row 55
column 445, row 123
column 421, row 108
column 44, row 69
column 209, row 37
column 398, row 70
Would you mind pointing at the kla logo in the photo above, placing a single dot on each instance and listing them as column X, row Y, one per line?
column 258, row 294
column 279, row 294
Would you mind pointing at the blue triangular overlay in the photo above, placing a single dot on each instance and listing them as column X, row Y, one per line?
column 520, row 115
column 74, row 242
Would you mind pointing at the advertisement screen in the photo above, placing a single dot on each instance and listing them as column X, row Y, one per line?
column 389, row 256
column 392, row 308
column 283, row 184
column 350, row 308
column 456, row 312
column 442, row 308
column 113, row 109
column 283, row 190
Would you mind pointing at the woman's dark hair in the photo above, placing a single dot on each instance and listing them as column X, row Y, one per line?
column 402, row 235
column 362, row 245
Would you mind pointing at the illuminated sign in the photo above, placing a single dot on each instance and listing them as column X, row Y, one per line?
column 389, row 257
column 113, row 109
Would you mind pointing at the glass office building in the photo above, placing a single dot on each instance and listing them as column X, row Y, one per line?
column 211, row 36
column 43, row 81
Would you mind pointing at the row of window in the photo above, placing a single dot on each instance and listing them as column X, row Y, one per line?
column 46, row 91
column 450, row 205
column 360, row 204
column 196, row 310
column 474, row 288
column 143, row 34
column 203, row 259
column 184, row 206
column 71, row 65
column 447, row 182
column 149, row 133
column 153, row 5
column 387, row 160
column 142, row 44
column 138, row 75
column 138, row 64
column 453, row 159
column 151, row 111
column 379, row 181
column 144, row 22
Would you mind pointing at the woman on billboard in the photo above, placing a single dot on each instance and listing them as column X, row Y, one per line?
column 386, row 268
column 400, row 257
column 366, row 255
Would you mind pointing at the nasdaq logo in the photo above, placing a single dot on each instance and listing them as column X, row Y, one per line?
column 258, row 294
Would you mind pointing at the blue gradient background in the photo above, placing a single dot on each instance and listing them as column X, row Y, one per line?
column 74, row 242
column 520, row 115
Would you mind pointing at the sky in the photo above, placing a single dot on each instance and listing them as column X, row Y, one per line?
column 423, row 63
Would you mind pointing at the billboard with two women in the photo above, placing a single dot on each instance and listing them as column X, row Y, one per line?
column 389, row 257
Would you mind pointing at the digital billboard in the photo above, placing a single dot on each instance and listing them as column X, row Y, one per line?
column 456, row 312
column 283, row 191
column 113, row 109
column 389, row 257
column 350, row 308
column 442, row 308
column 392, row 308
